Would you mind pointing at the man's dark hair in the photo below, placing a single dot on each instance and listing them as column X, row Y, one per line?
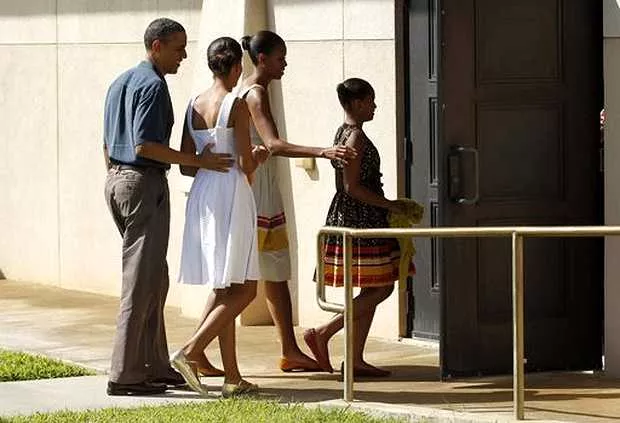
column 222, row 54
column 160, row 29
column 353, row 89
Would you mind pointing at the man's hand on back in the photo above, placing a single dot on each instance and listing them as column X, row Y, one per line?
column 219, row 162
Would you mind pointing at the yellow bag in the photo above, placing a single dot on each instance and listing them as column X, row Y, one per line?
column 412, row 216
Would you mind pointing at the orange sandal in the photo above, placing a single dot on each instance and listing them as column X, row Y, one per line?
column 287, row 366
column 209, row 371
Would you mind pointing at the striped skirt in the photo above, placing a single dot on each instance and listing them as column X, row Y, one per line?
column 273, row 248
column 375, row 262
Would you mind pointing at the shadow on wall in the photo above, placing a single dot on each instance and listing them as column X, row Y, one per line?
column 2, row 275
column 31, row 8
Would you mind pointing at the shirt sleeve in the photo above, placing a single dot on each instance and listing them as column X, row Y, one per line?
column 150, row 116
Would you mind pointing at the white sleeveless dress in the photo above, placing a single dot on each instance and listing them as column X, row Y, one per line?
column 274, row 256
column 220, row 239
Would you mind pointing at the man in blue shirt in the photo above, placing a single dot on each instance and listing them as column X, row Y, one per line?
column 138, row 121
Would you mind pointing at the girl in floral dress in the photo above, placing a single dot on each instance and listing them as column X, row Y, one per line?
column 359, row 202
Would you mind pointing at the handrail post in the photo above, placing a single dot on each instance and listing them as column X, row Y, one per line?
column 348, row 318
column 517, row 328
column 320, row 279
column 320, row 273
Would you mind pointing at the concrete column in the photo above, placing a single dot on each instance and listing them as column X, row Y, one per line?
column 233, row 18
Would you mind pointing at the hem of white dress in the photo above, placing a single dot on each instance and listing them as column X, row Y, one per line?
column 227, row 284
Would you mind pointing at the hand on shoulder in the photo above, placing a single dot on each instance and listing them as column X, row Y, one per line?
column 260, row 153
column 348, row 151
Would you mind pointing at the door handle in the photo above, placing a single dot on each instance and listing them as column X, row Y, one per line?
column 455, row 175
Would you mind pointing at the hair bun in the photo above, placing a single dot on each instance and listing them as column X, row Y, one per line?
column 353, row 89
column 222, row 54
column 245, row 42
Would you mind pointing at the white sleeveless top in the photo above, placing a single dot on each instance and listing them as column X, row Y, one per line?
column 220, row 236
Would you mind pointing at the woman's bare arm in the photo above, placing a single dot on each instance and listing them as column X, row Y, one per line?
column 187, row 146
column 243, row 144
column 259, row 107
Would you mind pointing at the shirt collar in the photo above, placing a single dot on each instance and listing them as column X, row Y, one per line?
column 149, row 65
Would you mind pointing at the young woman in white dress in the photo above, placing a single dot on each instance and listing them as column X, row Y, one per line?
column 268, row 53
column 220, row 239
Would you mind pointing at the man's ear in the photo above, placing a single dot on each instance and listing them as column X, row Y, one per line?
column 156, row 46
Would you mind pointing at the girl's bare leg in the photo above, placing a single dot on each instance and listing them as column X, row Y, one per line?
column 228, row 303
column 203, row 363
column 363, row 312
column 281, row 310
column 228, row 351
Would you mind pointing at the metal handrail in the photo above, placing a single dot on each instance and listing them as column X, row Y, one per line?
column 517, row 234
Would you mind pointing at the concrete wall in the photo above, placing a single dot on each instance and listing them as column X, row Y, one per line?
column 611, row 15
column 28, row 147
column 58, row 63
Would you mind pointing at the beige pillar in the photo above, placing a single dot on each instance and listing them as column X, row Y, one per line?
column 233, row 18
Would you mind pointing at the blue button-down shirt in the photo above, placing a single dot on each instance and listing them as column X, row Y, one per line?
column 137, row 109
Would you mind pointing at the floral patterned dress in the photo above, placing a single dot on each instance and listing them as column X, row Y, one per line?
column 375, row 260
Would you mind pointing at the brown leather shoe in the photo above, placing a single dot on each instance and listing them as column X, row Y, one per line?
column 143, row 388
column 173, row 379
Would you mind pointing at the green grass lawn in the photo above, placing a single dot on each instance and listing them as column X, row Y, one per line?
column 21, row 366
column 231, row 410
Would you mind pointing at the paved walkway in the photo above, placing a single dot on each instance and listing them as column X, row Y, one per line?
column 79, row 327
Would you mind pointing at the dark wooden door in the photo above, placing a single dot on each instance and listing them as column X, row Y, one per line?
column 520, row 91
column 422, row 160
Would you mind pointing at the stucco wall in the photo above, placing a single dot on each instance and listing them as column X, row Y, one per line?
column 58, row 64
column 611, row 15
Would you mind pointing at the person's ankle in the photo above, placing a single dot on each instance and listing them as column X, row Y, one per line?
column 234, row 379
column 293, row 351
column 191, row 354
